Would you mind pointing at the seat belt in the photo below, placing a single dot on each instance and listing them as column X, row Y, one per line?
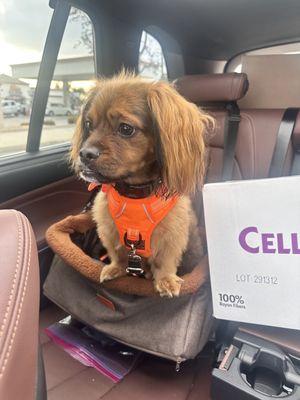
column 296, row 162
column 284, row 136
column 230, row 139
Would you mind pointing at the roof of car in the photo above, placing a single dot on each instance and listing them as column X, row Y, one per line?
column 213, row 29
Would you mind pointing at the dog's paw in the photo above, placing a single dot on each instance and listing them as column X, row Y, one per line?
column 110, row 272
column 168, row 285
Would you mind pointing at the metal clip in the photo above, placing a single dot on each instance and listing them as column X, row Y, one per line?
column 178, row 364
column 134, row 266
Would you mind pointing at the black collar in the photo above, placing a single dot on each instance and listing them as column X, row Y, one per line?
column 135, row 191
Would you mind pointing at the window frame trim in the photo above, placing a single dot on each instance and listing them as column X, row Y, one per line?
column 10, row 160
column 231, row 59
column 52, row 45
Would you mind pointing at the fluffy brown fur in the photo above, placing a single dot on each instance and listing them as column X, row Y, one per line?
column 167, row 146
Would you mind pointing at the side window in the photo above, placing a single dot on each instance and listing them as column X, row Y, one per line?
column 152, row 63
column 73, row 76
column 273, row 75
column 22, row 41
column 22, row 38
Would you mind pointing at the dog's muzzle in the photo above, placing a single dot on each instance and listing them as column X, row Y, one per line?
column 88, row 155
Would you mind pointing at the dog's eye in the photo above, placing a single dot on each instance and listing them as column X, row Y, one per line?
column 88, row 126
column 126, row 130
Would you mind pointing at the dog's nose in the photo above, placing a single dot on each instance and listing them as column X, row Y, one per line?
column 89, row 154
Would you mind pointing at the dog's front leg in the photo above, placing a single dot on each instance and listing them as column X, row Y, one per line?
column 109, row 236
column 169, row 241
column 166, row 282
column 116, row 267
column 164, row 265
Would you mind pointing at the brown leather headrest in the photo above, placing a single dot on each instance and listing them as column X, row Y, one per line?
column 213, row 87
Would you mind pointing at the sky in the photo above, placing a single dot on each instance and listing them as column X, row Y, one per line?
column 23, row 29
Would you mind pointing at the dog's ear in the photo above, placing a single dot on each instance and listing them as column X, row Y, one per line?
column 80, row 135
column 180, row 129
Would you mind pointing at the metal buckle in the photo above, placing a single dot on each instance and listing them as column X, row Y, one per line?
column 134, row 266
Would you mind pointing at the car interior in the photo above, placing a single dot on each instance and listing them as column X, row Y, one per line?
column 222, row 56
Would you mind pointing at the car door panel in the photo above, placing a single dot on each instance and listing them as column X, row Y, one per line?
column 49, row 204
column 45, row 206
column 25, row 172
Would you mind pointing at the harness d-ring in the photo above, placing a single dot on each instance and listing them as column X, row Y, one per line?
column 135, row 243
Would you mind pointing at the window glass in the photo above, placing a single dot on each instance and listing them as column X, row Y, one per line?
column 21, row 42
column 152, row 63
column 273, row 75
column 73, row 76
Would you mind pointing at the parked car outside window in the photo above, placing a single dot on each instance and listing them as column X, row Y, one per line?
column 10, row 107
column 58, row 109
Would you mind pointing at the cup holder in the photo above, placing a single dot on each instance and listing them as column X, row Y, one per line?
column 252, row 368
column 266, row 381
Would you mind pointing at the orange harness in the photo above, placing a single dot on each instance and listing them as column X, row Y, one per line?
column 136, row 219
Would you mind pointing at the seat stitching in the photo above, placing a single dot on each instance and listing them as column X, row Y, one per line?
column 20, row 306
column 15, row 275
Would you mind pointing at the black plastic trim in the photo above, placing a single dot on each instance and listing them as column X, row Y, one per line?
column 53, row 41
column 27, row 172
column 15, row 159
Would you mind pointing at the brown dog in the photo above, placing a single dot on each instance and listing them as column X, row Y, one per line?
column 133, row 131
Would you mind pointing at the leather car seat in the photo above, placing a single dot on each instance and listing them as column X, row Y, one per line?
column 255, row 145
column 21, row 367
column 257, row 133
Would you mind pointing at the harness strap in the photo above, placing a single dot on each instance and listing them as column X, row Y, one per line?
column 136, row 219
column 230, row 139
column 283, row 141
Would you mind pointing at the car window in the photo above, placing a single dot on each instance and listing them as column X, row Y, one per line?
column 73, row 76
column 273, row 74
column 22, row 43
column 152, row 62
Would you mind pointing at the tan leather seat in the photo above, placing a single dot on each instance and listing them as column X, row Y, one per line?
column 257, row 130
column 256, row 141
column 19, row 308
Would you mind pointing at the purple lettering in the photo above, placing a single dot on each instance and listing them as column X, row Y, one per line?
column 295, row 246
column 271, row 243
column 266, row 242
column 281, row 249
column 242, row 239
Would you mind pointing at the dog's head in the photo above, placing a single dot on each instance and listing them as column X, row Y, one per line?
column 138, row 131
